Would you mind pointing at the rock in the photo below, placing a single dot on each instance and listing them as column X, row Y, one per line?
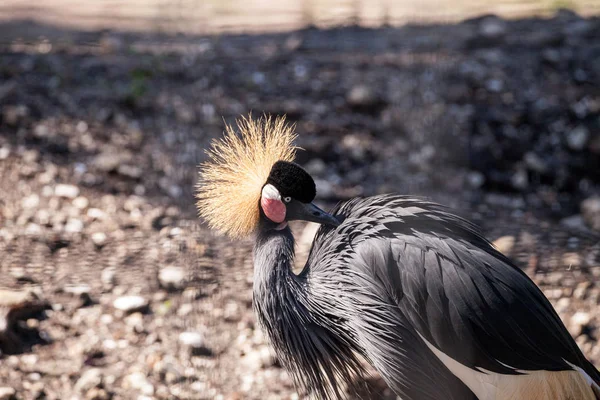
column 74, row 225
column 4, row 153
column 578, row 138
column 475, row 179
column 535, row 163
column 96, row 213
column 130, row 304
column 194, row 341
column 504, row 244
column 80, row 202
column 67, row 191
column 590, row 210
column 139, row 381
column 108, row 277
column 110, row 160
column 91, row 378
column 31, row 201
column 578, row 322
column 7, row 393
column 492, row 28
column 77, row 290
column 361, row 96
column 172, row 277
column 99, row 239
column 519, row 179
column 130, row 171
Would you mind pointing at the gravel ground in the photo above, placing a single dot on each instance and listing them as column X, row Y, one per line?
column 111, row 288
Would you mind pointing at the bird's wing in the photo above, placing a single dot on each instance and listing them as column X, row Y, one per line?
column 460, row 294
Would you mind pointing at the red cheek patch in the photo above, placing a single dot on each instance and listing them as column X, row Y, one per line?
column 273, row 209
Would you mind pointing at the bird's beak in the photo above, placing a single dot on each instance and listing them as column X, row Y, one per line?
column 309, row 212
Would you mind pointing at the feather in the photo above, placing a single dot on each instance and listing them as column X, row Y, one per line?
column 238, row 166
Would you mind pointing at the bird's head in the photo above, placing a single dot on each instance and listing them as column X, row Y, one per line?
column 250, row 180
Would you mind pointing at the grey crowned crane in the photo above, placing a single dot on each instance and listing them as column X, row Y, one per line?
column 400, row 282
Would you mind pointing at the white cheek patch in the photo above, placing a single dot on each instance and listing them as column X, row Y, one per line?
column 270, row 192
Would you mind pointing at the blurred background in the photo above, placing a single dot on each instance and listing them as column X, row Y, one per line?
column 110, row 287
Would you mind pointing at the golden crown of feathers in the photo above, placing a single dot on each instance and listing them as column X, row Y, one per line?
column 231, row 180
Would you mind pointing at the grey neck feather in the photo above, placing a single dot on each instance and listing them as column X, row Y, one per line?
column 318, row 359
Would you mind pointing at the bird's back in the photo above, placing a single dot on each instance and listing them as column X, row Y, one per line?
column 438, row 311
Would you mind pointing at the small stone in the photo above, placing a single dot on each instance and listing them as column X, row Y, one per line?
column 139, row 381
column 475, row 179
column 316, row 167
column 7, row 393
column 492, row 28
column 108, row 277
column 67, row 191
column 361, row 96
column 579, row 322
column 89, row 379
column 77, row 290
column 578, row 138
column 590, row 210
column 572, row 260
column 130, row 171
column 130, row 304
column 99, row 239
column 108, row 161
column 74, row 225
column 192, row 339
column 96, row 213
column 535, row 163
column 4, row 153
column 136, row 322
column 195, row 342
column 80, row 202
column 520, row 180
column 31, row 201
column 504, row 244
column 172, row 277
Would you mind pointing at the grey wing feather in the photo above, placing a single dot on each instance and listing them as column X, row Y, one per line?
column 446, row 282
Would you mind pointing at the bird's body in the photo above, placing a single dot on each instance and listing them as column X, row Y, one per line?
column 425, row 298
column 403, row 283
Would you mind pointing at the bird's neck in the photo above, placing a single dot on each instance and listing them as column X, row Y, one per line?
column 318, row 355
column 273, row 258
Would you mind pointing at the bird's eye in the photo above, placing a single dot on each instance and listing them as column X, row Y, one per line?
column 287, row 199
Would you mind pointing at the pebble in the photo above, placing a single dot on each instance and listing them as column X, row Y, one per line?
column 590, row 210
column 139, row 381
column 505, row 244
column 130, row 303
column 96, row 213
column 361, row 96
column 130, row 171
column 475, row 179
column 77, row 290
column 31, row 201
column 74, row 225
column 108, row 277
column 172, row 277
column 67, row 191
column 492, row 28
column 7, row 393
column 99, row 239
column 578, row 138
column 194, row 341
column 578, row 322
column 80, row 202
column 89, row 379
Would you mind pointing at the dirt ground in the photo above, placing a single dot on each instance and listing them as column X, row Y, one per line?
column 112, row 289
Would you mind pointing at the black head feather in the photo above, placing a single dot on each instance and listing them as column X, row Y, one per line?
column 291, row 180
